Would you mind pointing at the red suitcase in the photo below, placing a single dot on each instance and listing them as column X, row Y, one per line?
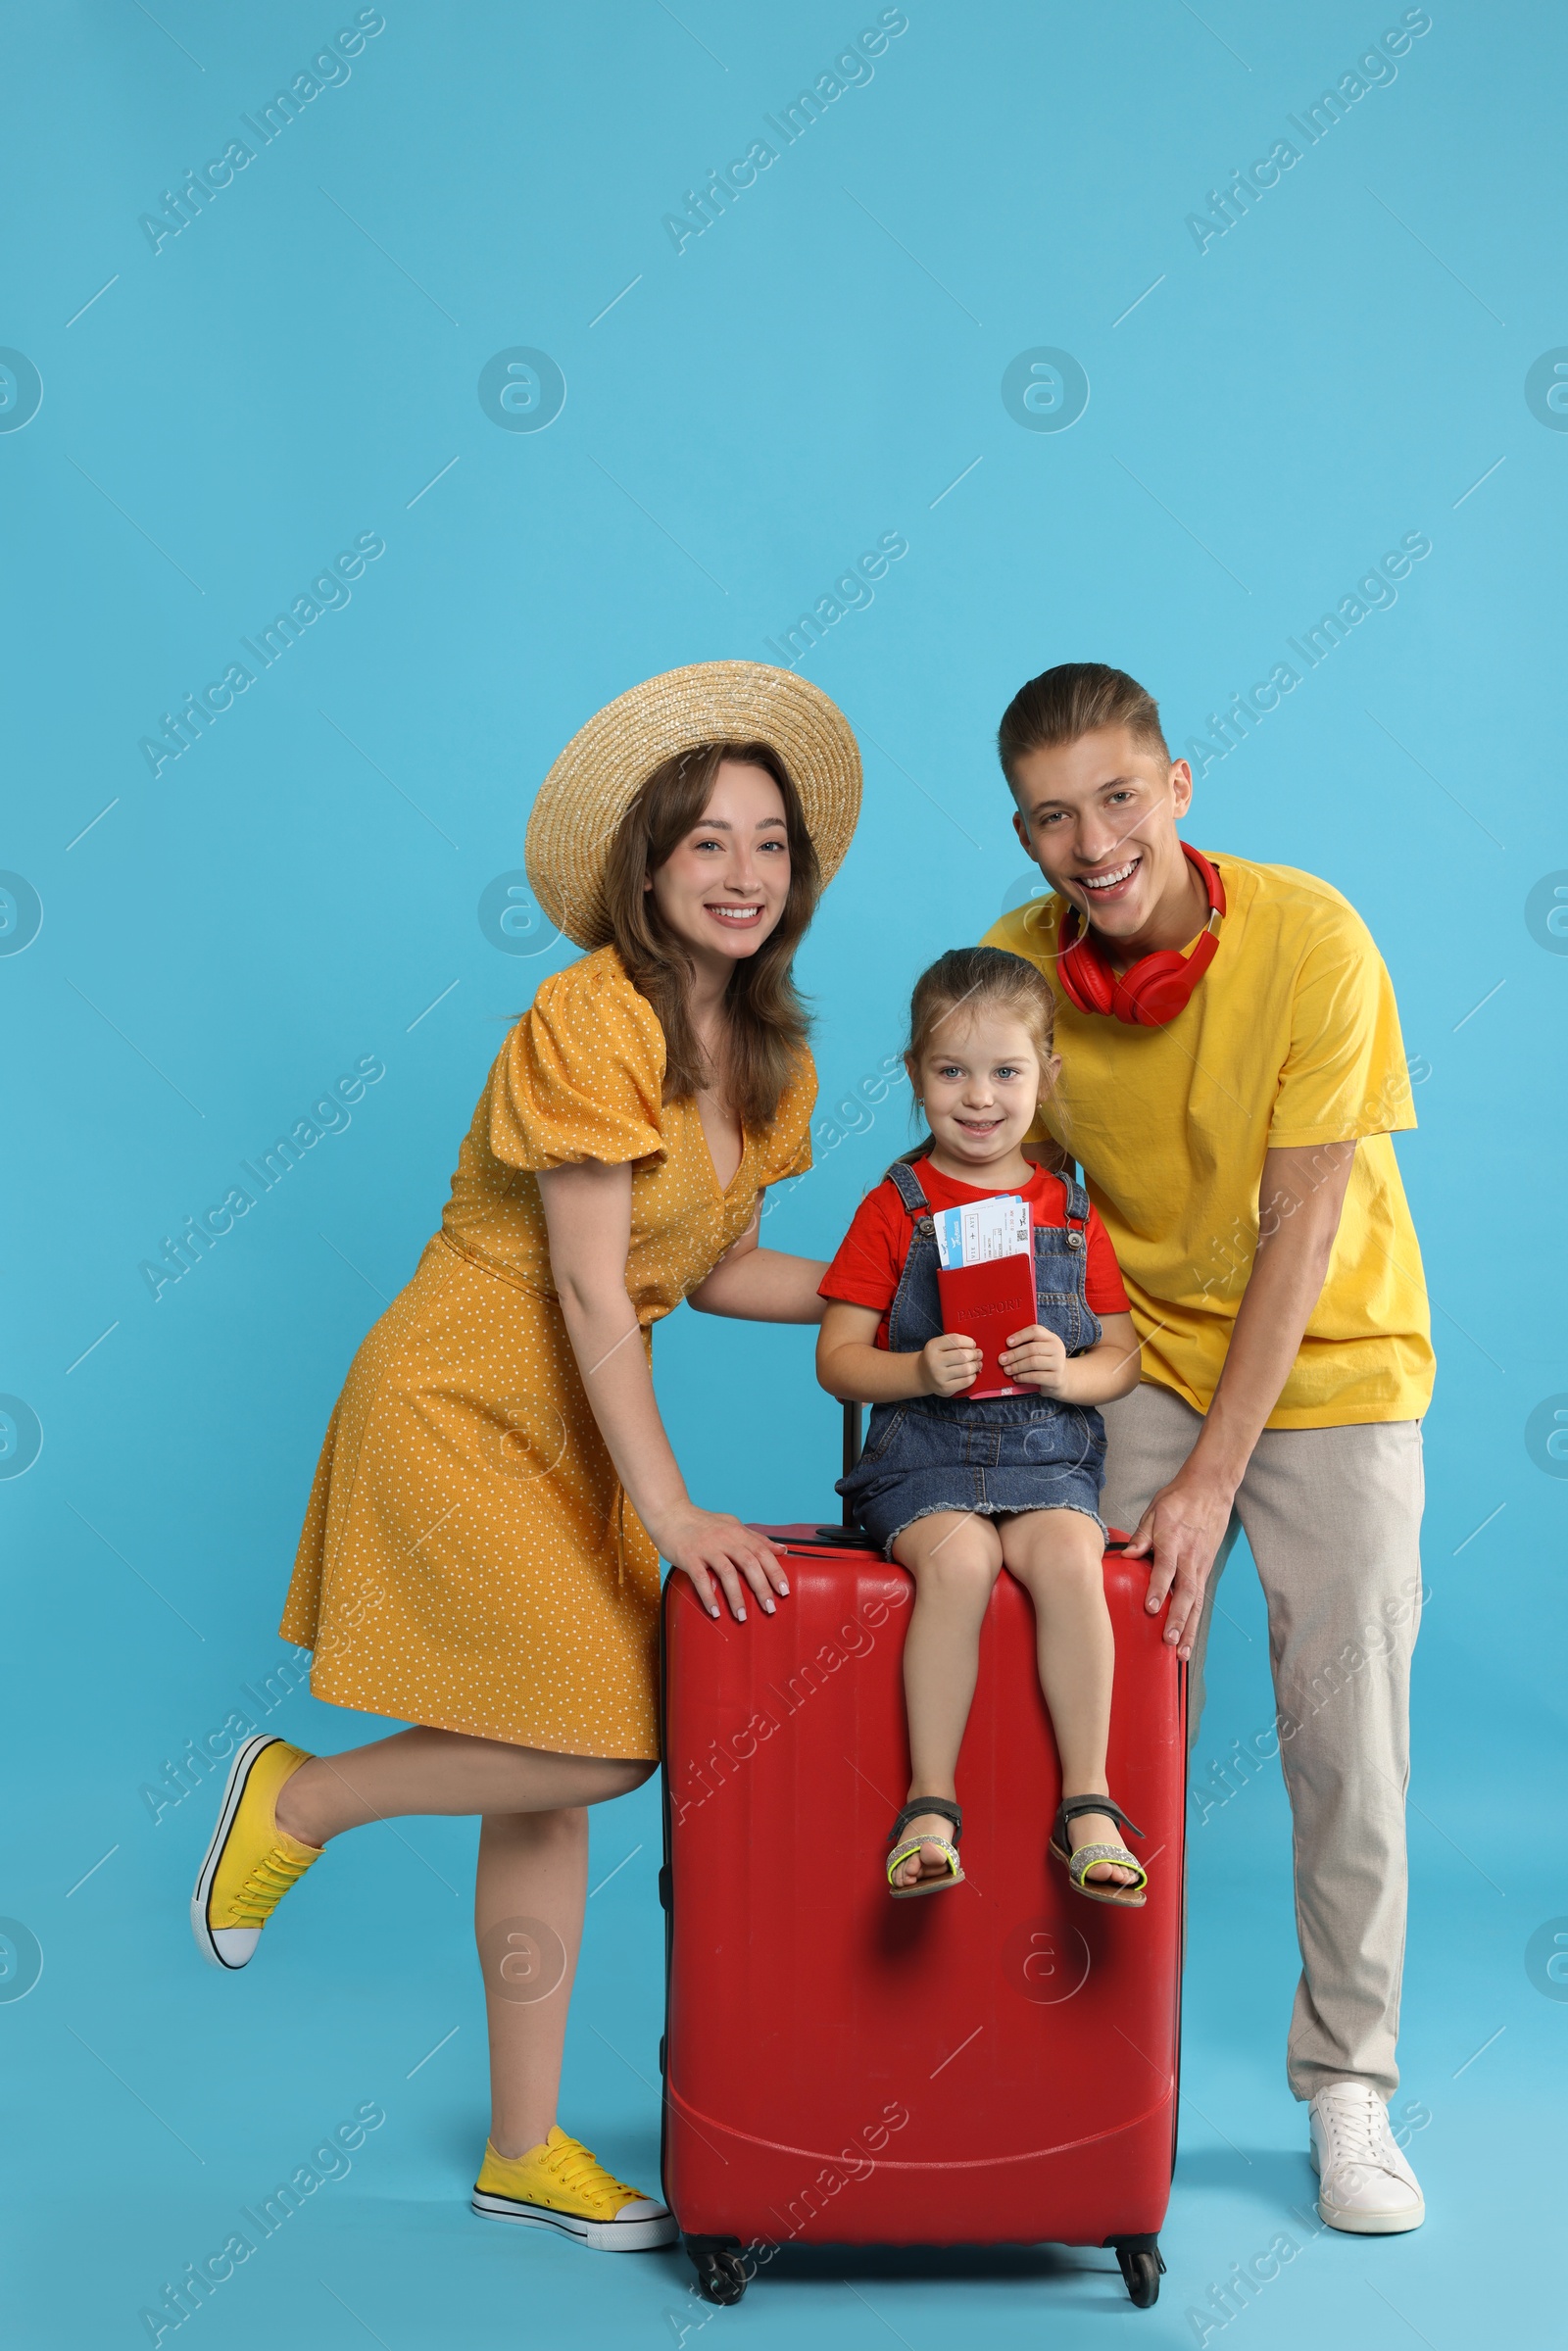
column 997, row 2065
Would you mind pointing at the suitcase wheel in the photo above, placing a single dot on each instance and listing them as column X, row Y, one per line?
column 1141, row 2271
column 722, row 2274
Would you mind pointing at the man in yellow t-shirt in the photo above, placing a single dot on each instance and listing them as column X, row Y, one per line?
column 1233, row 1114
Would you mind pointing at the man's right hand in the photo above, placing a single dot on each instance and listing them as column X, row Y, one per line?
column 709, row 1545
column 1181, row 1531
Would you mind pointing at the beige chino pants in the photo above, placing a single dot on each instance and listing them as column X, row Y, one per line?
column 1333, row 1517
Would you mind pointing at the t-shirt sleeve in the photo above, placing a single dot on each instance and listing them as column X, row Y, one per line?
column 1103, row 1289
column 581, row 1076
column 871, row 1257
column 1345, row 1073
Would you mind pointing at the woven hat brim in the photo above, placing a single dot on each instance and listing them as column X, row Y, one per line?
column 582, row 800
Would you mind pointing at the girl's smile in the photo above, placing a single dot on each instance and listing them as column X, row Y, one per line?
column 981, row 1082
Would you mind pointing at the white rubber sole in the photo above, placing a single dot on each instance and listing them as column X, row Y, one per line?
column 238, row 1938
column 1356, row 2223
column 600, row 2237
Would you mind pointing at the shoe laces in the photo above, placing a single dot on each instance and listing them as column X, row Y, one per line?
column 1359, row 2130
column 580, row 2173
column 267, row 1885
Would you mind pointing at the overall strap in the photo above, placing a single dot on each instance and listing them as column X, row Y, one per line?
column 1077, row 1200
column 916, row 1313
column 909, row 1189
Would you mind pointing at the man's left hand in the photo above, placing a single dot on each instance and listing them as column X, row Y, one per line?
column 1181, row 1530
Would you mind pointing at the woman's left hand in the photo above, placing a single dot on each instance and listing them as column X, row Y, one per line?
column 1037, row 1359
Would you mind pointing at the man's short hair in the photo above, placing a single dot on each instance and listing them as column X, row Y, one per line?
column 1076, row 697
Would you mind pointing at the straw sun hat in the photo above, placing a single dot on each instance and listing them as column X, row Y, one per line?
column 582, row 800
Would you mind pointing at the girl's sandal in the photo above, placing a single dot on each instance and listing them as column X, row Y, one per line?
column 911, row 1844
column 1124, row 1897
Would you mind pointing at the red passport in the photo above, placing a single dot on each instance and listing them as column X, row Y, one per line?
column 988, row 1302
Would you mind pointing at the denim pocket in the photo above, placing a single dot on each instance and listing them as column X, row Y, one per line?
column 874, row 1452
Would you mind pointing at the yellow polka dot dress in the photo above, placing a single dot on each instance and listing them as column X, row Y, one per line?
column 468, row 1558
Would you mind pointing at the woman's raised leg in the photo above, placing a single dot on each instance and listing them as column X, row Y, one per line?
column 955, row 1559
column 443, row 1772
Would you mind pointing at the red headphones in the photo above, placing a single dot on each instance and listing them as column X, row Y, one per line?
column 1149, row 993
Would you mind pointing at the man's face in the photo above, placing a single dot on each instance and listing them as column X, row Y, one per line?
column 1099, row 818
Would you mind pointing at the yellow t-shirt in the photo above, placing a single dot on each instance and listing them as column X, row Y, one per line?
column 1291, row 1038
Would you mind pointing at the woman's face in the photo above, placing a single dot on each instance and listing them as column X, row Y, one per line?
column 722, row 888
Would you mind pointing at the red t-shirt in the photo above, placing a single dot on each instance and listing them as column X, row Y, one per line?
column 869, row 1264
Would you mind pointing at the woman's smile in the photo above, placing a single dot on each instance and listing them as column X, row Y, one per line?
column 723, row 888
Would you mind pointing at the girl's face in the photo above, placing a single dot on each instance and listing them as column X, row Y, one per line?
column 981, row 1081
column 722, row 889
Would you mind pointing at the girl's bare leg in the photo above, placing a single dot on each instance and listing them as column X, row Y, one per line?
column 1058, row 1557
column 955, row 1559
column 528, row 1893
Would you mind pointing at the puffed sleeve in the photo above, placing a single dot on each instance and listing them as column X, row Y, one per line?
column 581, row 1075
column 789, row 1151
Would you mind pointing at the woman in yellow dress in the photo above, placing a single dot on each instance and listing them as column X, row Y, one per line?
column 480, row 1556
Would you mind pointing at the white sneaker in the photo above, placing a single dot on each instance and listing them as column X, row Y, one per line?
column 1364, row 2183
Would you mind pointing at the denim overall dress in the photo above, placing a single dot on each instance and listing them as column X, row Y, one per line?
column 993, row 1456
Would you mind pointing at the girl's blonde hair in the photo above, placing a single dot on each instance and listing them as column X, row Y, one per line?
column 970, row 980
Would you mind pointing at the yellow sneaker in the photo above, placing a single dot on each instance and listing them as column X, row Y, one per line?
column 561, row 2186
column 250, row 1862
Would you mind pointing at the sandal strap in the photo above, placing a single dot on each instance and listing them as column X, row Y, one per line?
column 1089, row 1857
column 914, row 1845
column 1072, row 1807
column 940, row 1806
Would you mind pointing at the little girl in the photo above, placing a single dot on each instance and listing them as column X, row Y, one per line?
column 1026, row 1497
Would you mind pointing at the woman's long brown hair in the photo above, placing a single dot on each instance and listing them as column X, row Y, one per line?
column 765, row 1023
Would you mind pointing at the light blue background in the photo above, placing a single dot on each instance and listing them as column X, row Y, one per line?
column 301, row 888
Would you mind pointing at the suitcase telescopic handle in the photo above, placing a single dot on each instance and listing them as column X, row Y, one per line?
column 847, row 1536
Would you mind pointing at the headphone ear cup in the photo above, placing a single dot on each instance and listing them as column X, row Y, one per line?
column 1163, row 984
column 1155, row 989
column 1087, row 979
